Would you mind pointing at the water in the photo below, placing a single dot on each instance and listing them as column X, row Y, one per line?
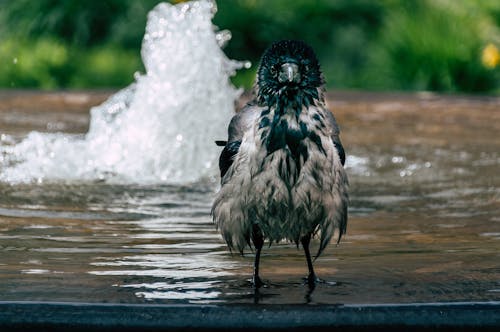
column 114, row 207
column 156, row 129
column 424, row 219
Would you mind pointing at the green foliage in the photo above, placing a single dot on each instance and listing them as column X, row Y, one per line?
column 84, row 23
column 49, row 64
column 37, row 64
column 52, row 44
column 389, row 44
column 105, row 67
column 433, row 46
column 337, row 30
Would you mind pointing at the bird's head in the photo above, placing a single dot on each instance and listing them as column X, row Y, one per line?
column 289, row 72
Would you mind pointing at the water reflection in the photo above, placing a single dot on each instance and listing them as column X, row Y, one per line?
column 424, row 224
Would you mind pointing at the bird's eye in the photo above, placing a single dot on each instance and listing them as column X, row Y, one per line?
column 274, row 69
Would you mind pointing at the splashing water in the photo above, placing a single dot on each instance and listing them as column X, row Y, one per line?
column 160, row 128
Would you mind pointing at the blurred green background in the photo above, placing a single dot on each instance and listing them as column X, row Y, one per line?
column 435, row 45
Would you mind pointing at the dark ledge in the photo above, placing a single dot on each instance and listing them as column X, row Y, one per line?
column 53, row 316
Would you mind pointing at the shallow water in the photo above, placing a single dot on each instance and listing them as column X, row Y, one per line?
column 424, row 217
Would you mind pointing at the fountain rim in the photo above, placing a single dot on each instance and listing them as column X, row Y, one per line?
column 34, row 316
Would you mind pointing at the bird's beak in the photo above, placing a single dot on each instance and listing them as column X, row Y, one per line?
column 289, row 73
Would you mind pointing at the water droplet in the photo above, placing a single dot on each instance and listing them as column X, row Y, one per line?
column 397, row 159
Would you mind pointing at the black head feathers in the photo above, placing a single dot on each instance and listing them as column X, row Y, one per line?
column 289, row 71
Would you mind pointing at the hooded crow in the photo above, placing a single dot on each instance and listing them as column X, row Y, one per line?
column 282, row 174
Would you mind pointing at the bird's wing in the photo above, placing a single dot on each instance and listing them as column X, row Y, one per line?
column 227, row 156
column 240, row 123
column 335, row 135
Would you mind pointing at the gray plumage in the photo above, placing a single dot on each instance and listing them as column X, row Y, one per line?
column 282, row 166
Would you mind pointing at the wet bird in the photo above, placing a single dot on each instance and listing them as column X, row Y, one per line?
column 282, row 174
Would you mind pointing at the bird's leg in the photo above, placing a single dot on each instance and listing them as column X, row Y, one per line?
column 311, row 278
column 258, row 242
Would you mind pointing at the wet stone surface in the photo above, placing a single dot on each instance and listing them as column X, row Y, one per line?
column 424, row 217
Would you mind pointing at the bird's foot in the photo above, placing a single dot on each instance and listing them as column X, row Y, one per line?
column 257, row 282
column 312, row 280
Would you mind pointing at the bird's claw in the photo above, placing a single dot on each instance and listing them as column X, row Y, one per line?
column 312, row 280
column 257, row 282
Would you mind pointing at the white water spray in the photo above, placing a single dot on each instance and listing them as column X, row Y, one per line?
column 159, row 129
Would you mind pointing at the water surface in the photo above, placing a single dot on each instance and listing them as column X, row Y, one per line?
column 424, row 217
